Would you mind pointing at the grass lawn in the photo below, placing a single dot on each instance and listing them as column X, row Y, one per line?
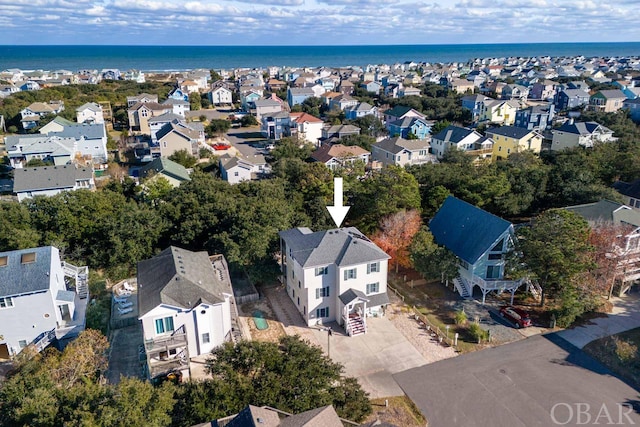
column 400, row 412
column 620, row 354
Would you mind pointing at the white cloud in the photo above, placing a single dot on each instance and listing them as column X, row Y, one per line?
column 320, row 21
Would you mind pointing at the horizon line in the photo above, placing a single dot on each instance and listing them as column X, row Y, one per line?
column 322, row 45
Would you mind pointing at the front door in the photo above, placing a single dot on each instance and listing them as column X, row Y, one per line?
column 64, row 312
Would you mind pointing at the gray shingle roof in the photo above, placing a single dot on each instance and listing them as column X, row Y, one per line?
column 607, row 211
column 631, row 189
column 49, row 177
column 179, row 278
column 350, row 294
column 509, row 131
column 82, row 130
column 18, row 279
column 454, row 134
column 325, row 416
column 342, row 246
column 396, row 144
column 254, row 416
column 166, row 118
column 90, row 106
column 581, row 128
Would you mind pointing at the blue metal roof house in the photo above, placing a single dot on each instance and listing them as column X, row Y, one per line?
column 480, row 240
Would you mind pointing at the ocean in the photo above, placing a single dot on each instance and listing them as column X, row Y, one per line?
column 162, row 58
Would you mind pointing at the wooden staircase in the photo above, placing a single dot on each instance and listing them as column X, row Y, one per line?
column 356, row 325
column 461, row 287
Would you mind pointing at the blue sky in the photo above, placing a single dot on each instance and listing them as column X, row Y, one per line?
column 315, row 22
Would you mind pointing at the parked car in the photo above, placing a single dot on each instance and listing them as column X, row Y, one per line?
column 221, row 146
column 518, row 317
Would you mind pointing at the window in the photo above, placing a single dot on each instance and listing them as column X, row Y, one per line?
column 164, row 325
column 322, row 312
column 373, row 288
column 28, row 258
column 5, row 259
column 350, row 274
column 495, row 256
column 6, row 302
column 236, row 174
column 464, row 264
column 322, row 292
column 493, row 271
column 206, row 339
column 298, row 300
column 374, row 267
column 498, row 247
column 322, row 271
column 499, row 148
column 22, row 343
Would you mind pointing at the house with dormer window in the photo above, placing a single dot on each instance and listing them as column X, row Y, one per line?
column 334, row 275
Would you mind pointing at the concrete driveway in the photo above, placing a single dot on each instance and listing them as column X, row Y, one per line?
column 538, row 381
column 372, row 358
column 625, row 316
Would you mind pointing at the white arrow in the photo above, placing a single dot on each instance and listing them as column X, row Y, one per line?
column 337, row 211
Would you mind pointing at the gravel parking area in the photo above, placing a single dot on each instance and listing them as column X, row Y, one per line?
column 404, row 322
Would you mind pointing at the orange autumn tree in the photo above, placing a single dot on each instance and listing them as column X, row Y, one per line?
column 396, row 234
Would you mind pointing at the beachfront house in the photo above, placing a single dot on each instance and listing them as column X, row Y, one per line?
column 334, row 275
column 185, row 307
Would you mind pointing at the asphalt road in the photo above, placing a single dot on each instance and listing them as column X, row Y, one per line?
column 538, row 381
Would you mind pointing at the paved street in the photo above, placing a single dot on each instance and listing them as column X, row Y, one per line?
column 372, row 358
column 625, row 316
column 538, row 381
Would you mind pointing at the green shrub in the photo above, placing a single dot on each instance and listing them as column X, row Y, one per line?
column 625, row 350
column 460, row 317
column 478, row 333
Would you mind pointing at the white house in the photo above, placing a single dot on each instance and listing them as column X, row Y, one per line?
column 23, row 148
column 184, row 301
column 455, row 137
column 180, row 107
column 35, row 305
column 308, row 127
column 51, row 180
column 574, row 134
column 220, row 96
column 237, row 169
column 89, row 113
column 334, row 275
column 338, row 156
column 401, row 152
column 91, row 139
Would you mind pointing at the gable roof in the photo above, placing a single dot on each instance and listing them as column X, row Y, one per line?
column 510, row 132
column 582, row 128
column 179, row 278
column 630, row 189
column 327, row 152
column 166, row 167
column 455, row 134
column 400, row 110
column 81, row 130
column 466, row 230
column 304, row 117
column 576, row 93
column 267, row 102
column 607, row 211
column 166, row 118
column 90, row 106
column 342, row 246
column 179, row 129
column 396, row 144
column 325, row 416
column 49, row 177
column 611, row 94
column 17, row 278
column 254, row 416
